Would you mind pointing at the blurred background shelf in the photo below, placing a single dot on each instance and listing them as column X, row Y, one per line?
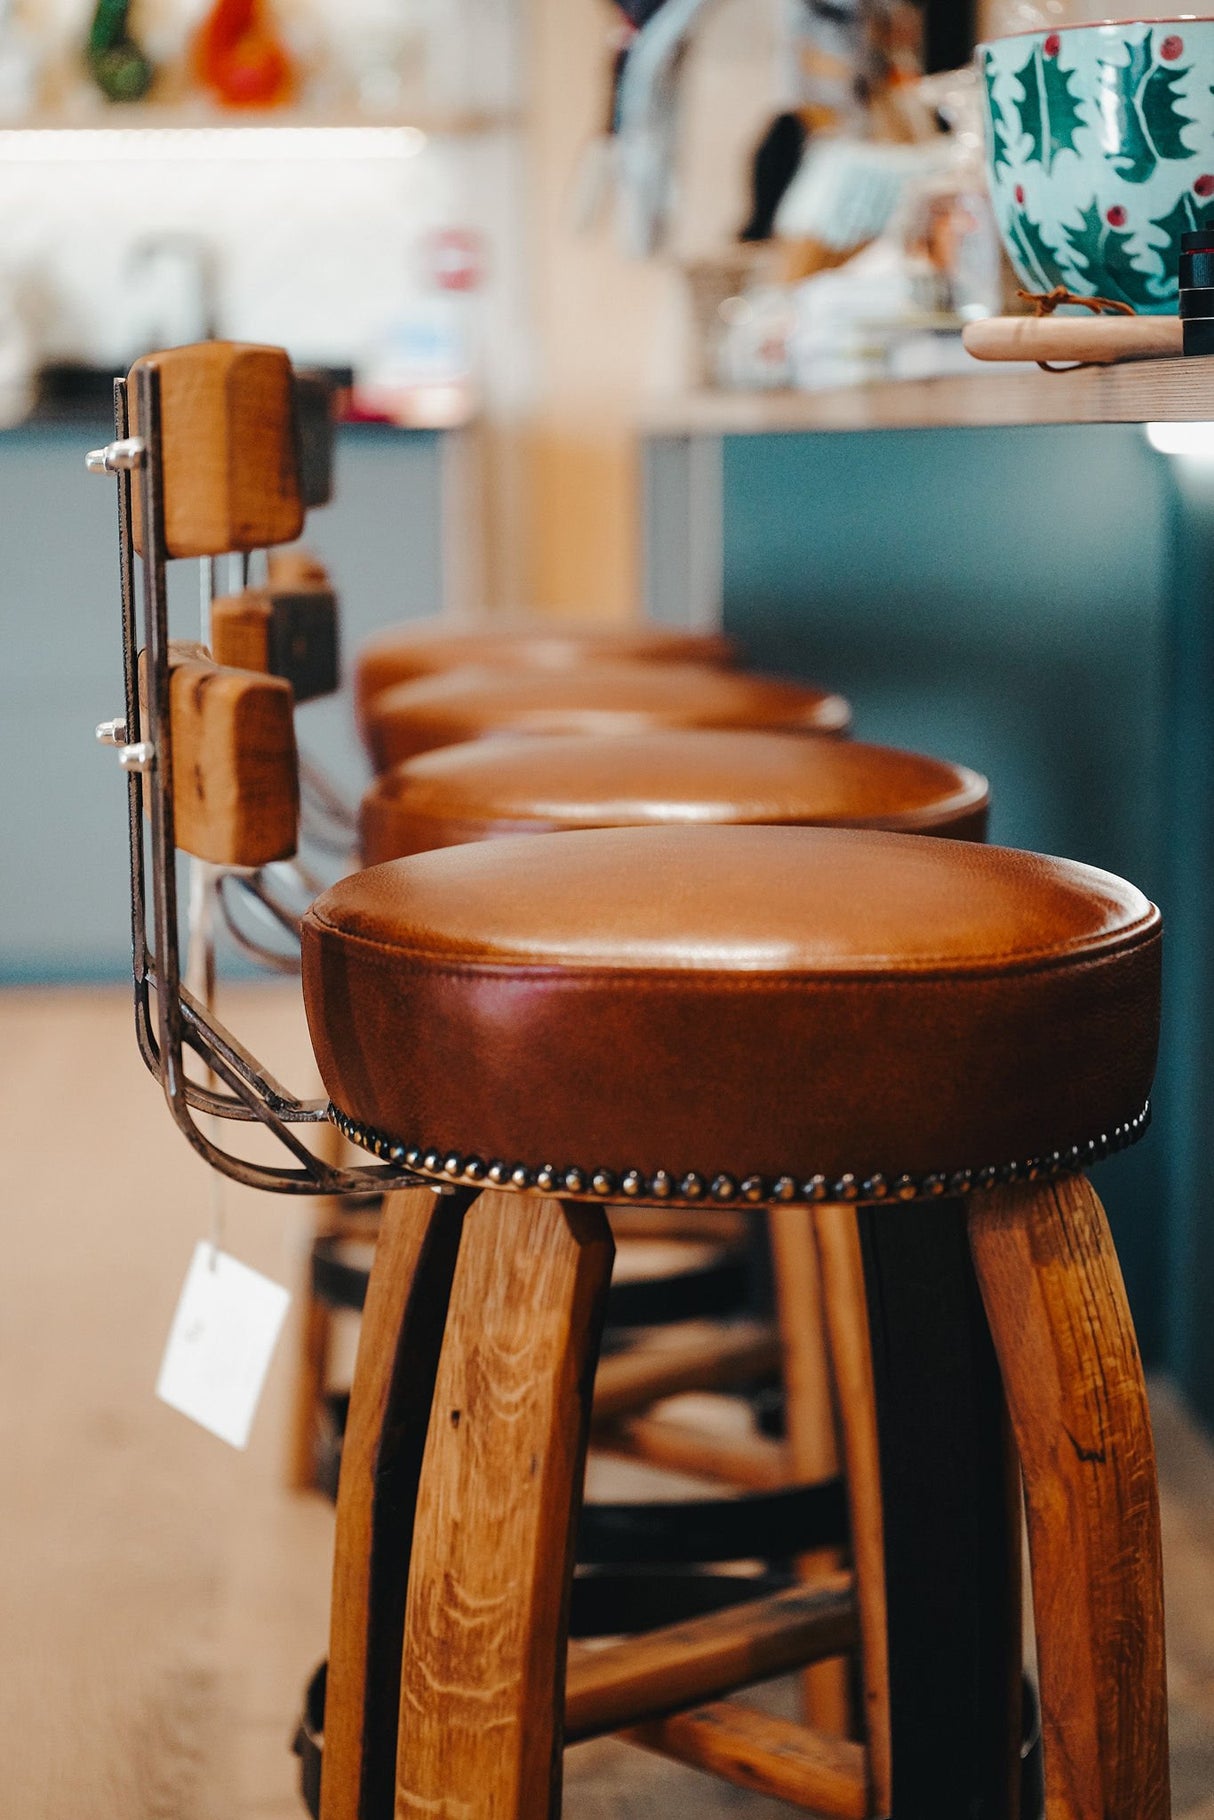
column 1144, row 391
column 202, row 117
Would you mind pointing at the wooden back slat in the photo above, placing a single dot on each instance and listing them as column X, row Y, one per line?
column 286, row 632
column 230, row 448
column 235, row 769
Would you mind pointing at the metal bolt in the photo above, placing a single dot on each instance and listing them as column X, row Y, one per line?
column 137, row 758
column 117, row 457
column 112, row 732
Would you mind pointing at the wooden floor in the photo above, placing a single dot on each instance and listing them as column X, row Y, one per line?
column 162, row 1598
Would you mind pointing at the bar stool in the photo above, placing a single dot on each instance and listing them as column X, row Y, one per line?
column 605, row 699
column 494, row 786
column 552, row 783
column 428, row 647
column 930, row 1035
column 490, row 787
column 933, row 1036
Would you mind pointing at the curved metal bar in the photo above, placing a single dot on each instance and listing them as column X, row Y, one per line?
column 247, row 885
column 180, row 1021
column 325, row 795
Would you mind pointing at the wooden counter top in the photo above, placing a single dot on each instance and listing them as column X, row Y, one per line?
column 1142, row 391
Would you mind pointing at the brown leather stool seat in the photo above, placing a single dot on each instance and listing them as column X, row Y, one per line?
column 608, row 699
column 426, row 647
column 753, row 1012
column 532, row 786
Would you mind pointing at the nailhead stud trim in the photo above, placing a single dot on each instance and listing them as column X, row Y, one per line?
column 694, row 1185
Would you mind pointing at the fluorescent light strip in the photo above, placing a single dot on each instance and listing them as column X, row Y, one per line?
column 72, row 145
column 1195, row 439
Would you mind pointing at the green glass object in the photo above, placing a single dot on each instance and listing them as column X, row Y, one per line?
column 118, row 66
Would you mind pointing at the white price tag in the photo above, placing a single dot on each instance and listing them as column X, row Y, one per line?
column 222, row 1339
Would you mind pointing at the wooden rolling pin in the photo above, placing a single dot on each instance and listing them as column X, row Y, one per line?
column 1099, row 339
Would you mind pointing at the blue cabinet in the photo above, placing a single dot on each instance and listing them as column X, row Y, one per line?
column 1037, row 602
column 63, row 885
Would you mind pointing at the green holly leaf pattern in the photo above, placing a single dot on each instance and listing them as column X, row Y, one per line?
column 1190, row 216
column 999, row 129
column 1100, row 247
column 1164, row 121
column 1038, row 261
column 1140, row 119
column 1049, row 112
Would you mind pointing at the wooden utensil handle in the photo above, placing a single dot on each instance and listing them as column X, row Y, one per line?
column 1093, row 339
column 229, row 446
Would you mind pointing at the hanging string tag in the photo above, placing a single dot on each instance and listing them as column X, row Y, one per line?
column 1046, row 302
column 221, row 1342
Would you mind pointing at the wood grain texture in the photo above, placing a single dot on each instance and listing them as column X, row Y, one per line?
column 240, row 630
column 1101, row 339
column 487, row 1616
column 1136, row 392
column 296, row 568
column 286, row 632
column 749, row 1460
column 230, row 460
column 951, row 1544
column 164, row 1597
column 398, row 1353
column 235, row 769
column 705, row 1359
column 1056, row 1304
column 809, row 1423
column 681, row 1665
column 765, row 1754
column 846, row 1318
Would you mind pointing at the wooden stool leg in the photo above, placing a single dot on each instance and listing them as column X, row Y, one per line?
column 809, row 1418
column 398, row 1353
column 1057, row 1310
column 482, row 1681
column 315, row 1338
column 950, row 1520
column 307, row 1392
column 846, row 1323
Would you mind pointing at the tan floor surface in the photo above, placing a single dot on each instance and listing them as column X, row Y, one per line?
column 162, row 1598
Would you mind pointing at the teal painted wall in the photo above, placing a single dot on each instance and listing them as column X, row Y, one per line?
column 1005, row 598
column 63, row 885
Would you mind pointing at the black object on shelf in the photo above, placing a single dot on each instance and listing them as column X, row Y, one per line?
column 1197, row 291
column 776, row 162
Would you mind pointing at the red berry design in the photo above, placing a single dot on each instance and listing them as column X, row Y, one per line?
column 1020, row 192
column 1171, row 48
column 1116, row 216
column 1204, row 185
column 1052, row 45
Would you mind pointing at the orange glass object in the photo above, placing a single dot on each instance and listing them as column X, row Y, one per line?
column 241, row 58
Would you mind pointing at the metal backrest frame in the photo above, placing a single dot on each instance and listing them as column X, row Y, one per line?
column 169, row 1019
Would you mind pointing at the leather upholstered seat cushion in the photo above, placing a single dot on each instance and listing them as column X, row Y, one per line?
column 608, row 699
column 734, row 1002
column 504, row 786
column 427, row 647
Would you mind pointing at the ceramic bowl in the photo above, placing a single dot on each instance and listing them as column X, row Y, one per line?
column 1100, row 153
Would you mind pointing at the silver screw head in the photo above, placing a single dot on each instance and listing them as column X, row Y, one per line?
column 117, row 457
column 112, row 732
column 139, row 757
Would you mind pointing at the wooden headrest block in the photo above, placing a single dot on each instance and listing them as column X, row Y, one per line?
column 314, row 420
column 283, row 631
column 296, row 568
column 231, row 457
column 235, row 770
